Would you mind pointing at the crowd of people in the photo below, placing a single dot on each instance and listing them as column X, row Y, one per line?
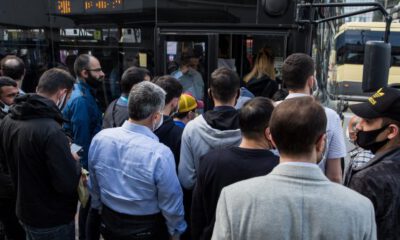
column 152, row 167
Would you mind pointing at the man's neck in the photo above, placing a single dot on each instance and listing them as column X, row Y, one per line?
column 388, row 147
column 167, row 110
column 145, row 122
column 305, row 91
column 254, row 143
column 308, row 158
column 221, row 104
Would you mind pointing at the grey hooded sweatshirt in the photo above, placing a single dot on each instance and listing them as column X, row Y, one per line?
column 199, row 137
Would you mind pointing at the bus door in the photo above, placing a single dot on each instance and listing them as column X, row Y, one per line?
column 240, row 49
column 189, row 57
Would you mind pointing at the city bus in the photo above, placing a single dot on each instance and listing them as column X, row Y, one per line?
column 151, row 34
column 347, row 57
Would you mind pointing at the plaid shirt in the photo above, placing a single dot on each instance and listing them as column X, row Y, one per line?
column 359, row 157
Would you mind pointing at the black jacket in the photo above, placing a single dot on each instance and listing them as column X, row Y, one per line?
column 170, row 135
column 263, row 87
column 379, row 180
column 218, row 169
column 6, row 186
column 42, row 168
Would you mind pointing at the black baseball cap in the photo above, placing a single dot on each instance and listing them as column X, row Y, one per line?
column 384, row 103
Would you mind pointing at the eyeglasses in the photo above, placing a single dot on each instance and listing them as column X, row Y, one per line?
column 95, row 70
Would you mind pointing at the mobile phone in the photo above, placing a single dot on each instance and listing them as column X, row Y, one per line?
column 75, row 148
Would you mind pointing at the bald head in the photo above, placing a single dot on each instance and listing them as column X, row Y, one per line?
column 13, row 67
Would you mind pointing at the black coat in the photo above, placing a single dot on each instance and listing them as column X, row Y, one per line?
column 171, row 135
column 263, row 87
column 6, row 186
column 42, row 168
column 379, row 180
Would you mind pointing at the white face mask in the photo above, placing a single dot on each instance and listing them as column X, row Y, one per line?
column 60, row 103
column 5, row 108
column 158, row 125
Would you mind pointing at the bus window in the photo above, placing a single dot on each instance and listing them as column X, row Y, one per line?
column 349, row 47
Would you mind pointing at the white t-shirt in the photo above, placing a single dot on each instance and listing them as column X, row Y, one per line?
column 335, row 144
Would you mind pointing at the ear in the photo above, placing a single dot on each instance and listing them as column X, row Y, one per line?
column 393, row 131
column 311, row 81
column 320, row 144
column 269, row 137
column 175, row 102
column 209, row 93
column 85, row 73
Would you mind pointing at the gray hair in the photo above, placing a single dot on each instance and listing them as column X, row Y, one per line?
column 145, row 99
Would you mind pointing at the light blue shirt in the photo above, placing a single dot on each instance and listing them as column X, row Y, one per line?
column 131, row 172
column 192, row 83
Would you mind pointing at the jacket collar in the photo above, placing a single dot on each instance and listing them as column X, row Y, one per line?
column 300, row 171
column 377, row 158
column 133, row 127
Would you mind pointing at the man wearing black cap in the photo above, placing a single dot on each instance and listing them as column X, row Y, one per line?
column 379, row 179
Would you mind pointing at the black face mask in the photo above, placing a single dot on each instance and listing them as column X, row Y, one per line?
column 92, row 81
column 366, row 139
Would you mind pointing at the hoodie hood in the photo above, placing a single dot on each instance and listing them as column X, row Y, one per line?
column 32, row 106
column 222, row 118
column 213, row 137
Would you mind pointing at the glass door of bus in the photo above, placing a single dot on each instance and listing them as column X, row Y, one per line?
column 190, row 58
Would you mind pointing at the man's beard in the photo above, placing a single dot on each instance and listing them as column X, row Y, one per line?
column 92, row 81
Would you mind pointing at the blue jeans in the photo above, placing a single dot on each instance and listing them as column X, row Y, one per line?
column 62, row 232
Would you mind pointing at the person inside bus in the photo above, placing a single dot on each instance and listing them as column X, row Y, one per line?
column 191, row 79
column 379, row 179
column 117, row 112
column 298, row 76
column 261, row 80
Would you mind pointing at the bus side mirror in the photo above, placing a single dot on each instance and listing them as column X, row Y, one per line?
column 275, row 8
column 376, row 65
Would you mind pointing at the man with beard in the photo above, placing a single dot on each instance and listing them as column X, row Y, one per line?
column 83, row 114
column 296, row 200
column 379, row 178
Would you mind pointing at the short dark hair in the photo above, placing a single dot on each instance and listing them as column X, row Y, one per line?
column 224, row 84
column 296, row 124
column 254, row 117
column 171, row 86
column 13, row 67
column 181, row 115
column 296, row 69
column 6, row 82
column 53, row 80
column 81, row 63
column 132, row 76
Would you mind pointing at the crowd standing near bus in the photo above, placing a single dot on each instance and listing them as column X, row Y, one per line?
column 264, row 170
